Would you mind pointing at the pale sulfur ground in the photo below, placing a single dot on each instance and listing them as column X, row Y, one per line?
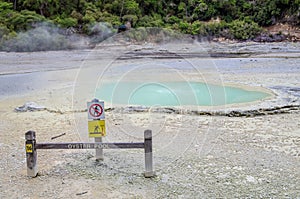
column 194, row 156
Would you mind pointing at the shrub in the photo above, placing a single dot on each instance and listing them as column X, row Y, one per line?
column 131, row 18
column 5, row 6
column 184, row 27
column 76, row 15
column 3, row 31
column 24, row 20
column 66, row 22
column 173, row 19
column 112, row 19
column 216, row 29
column 88, row 17
column 244, row 29
column 197, row 28
column 150, row 21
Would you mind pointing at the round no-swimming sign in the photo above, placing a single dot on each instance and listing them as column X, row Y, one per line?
column 96, row 110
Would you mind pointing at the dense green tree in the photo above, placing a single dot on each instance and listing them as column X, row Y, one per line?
column 43, row 7
column 150, row 7
column 238, row 19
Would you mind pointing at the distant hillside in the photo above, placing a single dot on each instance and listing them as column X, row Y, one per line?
column 229, row 19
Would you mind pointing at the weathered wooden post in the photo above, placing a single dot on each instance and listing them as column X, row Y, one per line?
column 31, row 154
column 148, row 154
column 99, row 151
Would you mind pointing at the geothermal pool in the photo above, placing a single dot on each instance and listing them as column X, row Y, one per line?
column 175, row 94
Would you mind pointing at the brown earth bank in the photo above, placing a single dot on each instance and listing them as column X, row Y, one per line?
column 281, row 32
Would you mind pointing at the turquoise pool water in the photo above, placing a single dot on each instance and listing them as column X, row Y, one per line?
column 175, row 94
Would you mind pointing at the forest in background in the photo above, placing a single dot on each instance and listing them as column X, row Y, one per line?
column 232, row 19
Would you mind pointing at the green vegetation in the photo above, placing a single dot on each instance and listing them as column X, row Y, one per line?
column 235, row 19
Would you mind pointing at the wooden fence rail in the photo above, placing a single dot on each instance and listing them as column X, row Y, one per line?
column 96, row 145
column 32, row 147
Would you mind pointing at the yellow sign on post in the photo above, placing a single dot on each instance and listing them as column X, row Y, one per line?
column 29, row 148
column 97, row 128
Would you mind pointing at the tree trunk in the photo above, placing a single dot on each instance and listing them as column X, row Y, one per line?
column 15, row 4
column 59, row 6
column 41, row 9
column 121, row 12
column 78, row 4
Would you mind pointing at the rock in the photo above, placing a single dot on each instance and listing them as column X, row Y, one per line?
column 30, row 106
column 270, row 38
column 251, row 179
column 165, row 178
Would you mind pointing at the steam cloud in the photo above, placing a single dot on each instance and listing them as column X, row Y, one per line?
column 46, row 36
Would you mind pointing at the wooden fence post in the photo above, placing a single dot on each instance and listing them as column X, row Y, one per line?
column 99, row 151
column 31, row 154
column 148, row 154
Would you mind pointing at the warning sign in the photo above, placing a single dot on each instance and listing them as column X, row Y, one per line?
column 29, row 148
column 97, row 128
column 96, row 110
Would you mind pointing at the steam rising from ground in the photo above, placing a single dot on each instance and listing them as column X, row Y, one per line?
column 46, row 36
